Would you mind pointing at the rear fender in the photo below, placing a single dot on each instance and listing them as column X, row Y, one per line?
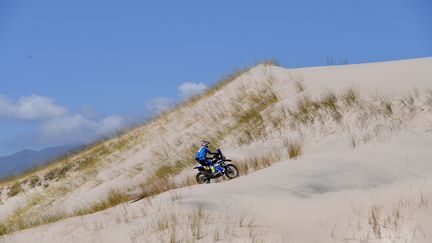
column 200, row 168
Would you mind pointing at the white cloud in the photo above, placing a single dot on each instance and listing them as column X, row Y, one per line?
column 76, row 128
column 66, row 129
column 32, row 107
column 190, row 89
column 56, row 125
column 186, row 90
column 158, row 105
column 109, row 125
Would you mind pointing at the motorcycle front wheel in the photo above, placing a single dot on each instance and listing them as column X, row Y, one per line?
column 231, row 171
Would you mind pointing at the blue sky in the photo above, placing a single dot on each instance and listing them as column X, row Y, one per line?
column 71, row 71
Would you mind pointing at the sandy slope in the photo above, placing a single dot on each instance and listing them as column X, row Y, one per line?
column 312, row 197
column 379, row 190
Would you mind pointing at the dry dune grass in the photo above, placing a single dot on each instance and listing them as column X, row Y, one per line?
column 250, row 163
column 253, row 124
column 115, row 197
column 198, row 224
column 20, row 219
column 254, row 115
column 90, row 160
column 291, row 149
column 396, row 221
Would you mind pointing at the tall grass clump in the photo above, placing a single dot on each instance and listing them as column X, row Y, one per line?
column 115, row 197
column 299, row 85
column 387, row 107
column 270, row 62
column 166, row 171
column 305, row 110
column 250, row 121
column 157, row 186
column 295, row 149
column 329, row 102
column 350, row 96
column 233, row 75
column 277, row 116
column 15, row 189
column 257, row 161
column 19, row 220
column 383, row 105
column 391, row 222
column 408, row 102
column 226, row 79
column 308, row 110
column 429, row 98
column 257, row 103
column 375, row 220
column 31, row 222
column 57, row 173
column 173, row 165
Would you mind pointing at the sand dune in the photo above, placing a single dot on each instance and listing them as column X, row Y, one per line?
column 364, row 174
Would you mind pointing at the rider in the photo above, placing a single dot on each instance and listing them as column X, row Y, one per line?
column 201, row 157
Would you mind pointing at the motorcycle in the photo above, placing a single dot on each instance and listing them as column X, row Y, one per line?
column 222, row 164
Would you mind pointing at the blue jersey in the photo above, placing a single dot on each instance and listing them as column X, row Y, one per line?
column 202, row 153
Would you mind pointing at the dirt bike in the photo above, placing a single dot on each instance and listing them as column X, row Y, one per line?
column 222, row 164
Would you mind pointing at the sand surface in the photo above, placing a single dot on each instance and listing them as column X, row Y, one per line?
column 356, row 181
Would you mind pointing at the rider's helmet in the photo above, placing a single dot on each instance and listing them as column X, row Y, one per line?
column 205, row 143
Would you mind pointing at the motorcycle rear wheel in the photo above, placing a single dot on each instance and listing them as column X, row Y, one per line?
column 202, row 178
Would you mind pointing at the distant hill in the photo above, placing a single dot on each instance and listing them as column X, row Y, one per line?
column 27, row 159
